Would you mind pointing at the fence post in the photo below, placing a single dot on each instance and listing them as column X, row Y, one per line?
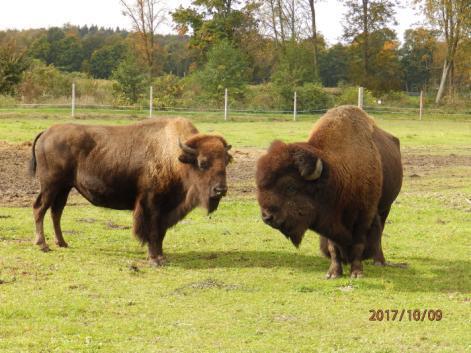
column 360, row 97
column 294, row 105
column 73, row 99
column 225, row 104
column 150, row 101
column 421, row 105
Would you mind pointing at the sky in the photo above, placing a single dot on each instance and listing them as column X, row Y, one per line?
column 21, row 14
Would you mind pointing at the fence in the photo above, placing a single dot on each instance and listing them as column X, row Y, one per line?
column 227, row 110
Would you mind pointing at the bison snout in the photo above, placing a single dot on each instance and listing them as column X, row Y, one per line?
column 270, row 219
column 267, row 217
column 219, row 191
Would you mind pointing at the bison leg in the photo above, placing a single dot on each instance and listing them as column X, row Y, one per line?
column 56, row 212
column 147, row 228
column 323, row 245
column 356, row 270
column 155, row 248
column 335, row 269
column 357, row 250
column 40, row 206
column 374, row 238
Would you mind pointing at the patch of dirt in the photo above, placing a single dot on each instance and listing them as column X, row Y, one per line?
column 87, row 220
column 241, row 172
column 206, row 284
column 416, row 165
column 18, row 188
column 113, row 225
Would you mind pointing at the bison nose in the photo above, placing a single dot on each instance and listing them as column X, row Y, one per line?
column 267, row 217
column 219, row 190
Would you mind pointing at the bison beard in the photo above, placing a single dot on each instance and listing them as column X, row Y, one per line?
column 161, row 169
column 341, row 183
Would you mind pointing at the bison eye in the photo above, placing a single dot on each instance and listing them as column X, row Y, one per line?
column 203, row 165
column 290, row 189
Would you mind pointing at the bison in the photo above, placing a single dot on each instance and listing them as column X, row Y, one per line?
column 340, row 183
column 161, row 169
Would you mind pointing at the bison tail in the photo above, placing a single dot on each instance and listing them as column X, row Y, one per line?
column 32, row 163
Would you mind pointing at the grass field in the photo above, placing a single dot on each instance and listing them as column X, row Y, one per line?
column 233, row 284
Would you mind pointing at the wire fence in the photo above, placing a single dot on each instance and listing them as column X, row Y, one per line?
column 228, row 108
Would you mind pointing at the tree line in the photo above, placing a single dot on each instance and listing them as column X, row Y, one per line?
column 274, row 45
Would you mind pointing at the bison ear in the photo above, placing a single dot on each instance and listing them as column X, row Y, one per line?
column 187, row 158
column 308, row 164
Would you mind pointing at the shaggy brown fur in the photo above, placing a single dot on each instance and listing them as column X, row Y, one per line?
column 140, row 167
column 348, row 201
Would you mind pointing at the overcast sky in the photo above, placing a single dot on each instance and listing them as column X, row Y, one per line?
column 20, row 14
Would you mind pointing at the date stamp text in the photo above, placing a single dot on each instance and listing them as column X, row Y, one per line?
column 405, row 315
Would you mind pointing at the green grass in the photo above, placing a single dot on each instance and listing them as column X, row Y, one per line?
column 233, row 284
column 250, row 130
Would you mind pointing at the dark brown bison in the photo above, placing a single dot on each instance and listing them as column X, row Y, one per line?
column 340, row 183
column 161, row 169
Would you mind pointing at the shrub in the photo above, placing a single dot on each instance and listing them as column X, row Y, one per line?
column 42, row 81
column 130, row 81
column 263, row 97
column 227, row 68
column 7, row 101
column 349, row 95
column 311, row 96
column 168, row 90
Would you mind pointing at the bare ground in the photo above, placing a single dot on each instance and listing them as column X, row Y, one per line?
column 18, row 188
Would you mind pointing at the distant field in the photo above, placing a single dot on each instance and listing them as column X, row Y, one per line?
column 247, row 130
column 233, row 284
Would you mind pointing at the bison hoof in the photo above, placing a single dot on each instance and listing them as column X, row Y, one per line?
column 62, row 244
column 158, row 261
column 333, row 273
column 44, row 247
column 356, row 274
column 379, row 263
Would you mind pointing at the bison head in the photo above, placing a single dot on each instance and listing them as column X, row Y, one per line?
column 290, row 178
column 206, row 157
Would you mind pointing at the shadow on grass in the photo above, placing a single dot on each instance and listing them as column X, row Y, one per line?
column 421, row 275
column 427, row 274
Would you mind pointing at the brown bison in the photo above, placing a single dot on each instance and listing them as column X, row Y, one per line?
column 340, row 183
column 161, row 169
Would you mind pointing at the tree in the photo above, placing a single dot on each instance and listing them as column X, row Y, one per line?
column 293, row 69
column 333, row 65
column 211, row 21
column 453, row 19
column 314, row 35
column 105, row 60
column 364, row 17
column 226, row 68
column 59, row 47
column 13, row 63
column 417, row 57
column 385, row 71
column 130, row 79
column 146, row 17
column 41, row 81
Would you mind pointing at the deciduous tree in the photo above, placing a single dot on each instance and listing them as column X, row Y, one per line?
column 146, row 17
column 361, row 19
column 453, row 19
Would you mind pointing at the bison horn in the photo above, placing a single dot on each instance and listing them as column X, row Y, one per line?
column 228, row 147
column 187, row 149
column 317, row 171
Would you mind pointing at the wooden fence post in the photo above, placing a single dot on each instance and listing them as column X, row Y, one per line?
column 421, row 105
column 225, row 104
column 73, row 99
column 360, row 97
